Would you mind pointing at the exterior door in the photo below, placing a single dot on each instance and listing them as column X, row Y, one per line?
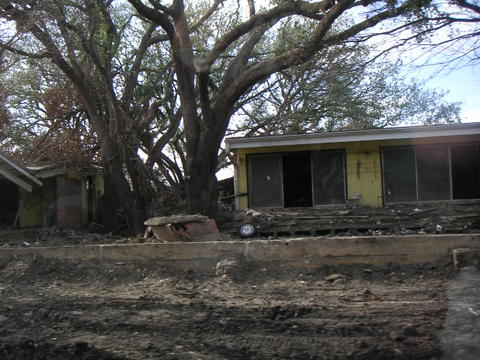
column 266, row 188
column 399, row 174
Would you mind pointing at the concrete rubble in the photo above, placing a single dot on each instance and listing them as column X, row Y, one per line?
column 183, row 228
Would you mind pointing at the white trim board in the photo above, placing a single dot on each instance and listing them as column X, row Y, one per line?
column 20, row 169
column 15, row 179
column 414, row 132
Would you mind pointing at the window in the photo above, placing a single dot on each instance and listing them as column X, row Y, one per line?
column 266, row 188
column 426, row 173
column 433, row 173
column 328, row 177
column 466, row 171
column 297, row 179
column 399, row 174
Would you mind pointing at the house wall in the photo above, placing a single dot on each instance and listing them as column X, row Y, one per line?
column 69, row 202
column 363, row 164
column 95, row 199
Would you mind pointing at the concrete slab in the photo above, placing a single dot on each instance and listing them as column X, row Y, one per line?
column 300, row 252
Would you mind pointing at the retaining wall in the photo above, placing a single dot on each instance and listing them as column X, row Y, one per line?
column 301, row 252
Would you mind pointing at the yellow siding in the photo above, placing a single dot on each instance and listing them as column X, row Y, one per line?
column 31, row 211
column 363, row 173
column 241, row 179
column 363, row 164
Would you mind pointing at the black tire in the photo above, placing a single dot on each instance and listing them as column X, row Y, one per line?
column 246, row 230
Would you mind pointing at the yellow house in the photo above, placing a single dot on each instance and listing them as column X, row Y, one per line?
column 373, row 167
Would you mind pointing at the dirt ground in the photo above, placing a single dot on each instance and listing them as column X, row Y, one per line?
column 91, row 310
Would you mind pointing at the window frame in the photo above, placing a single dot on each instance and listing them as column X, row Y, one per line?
column 281, row 154
column 345, row 175
column 450, row 174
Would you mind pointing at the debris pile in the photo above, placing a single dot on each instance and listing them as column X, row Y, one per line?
column 398, row 220
column 183, row 228
column 52, row 236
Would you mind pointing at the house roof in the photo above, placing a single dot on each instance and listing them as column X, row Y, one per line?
column 394, row 133
column 48, row 170
column 51, row 170
column 17, row 173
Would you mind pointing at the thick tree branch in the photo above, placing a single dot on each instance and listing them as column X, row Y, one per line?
column 467, row 5
column 302, row 54
column 251, row 7
column 182, row 50
column 132, row 77
column 39, row 55
column 238, row 65
column 299, row 55
column 158, row 15
column 286, row 8
column 156, row 152
column 207, row 15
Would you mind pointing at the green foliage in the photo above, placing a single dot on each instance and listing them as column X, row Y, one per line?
column 341, row 89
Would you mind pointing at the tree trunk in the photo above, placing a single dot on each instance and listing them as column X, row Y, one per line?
column 132, row 203
column 201, row 186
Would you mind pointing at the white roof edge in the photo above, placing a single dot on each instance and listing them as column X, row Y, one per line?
column 20, row 169
column 50, row 172
column 15, row 179
column 412, row 132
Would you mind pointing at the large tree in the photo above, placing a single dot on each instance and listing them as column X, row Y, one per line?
column 138, row 76
column 215, row 75
column 101, row 50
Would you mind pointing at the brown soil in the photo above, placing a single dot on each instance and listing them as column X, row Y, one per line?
column 91, row 310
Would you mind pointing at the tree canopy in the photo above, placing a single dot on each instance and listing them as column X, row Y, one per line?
column 154, row 85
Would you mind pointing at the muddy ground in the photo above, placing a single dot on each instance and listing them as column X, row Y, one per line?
column 91, row 310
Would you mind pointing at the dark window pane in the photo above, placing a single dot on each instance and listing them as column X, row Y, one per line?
column 466, row 171
column 433, row 173
column 399, row 174
column 297, row 180
column 328, row 177
column 266, row 181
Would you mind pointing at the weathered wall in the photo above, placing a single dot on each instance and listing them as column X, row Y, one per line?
column 31, row 210
column 69, row 202
column 38, row 207
column 364, row 173
column 363, row 162
column 62, row 200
